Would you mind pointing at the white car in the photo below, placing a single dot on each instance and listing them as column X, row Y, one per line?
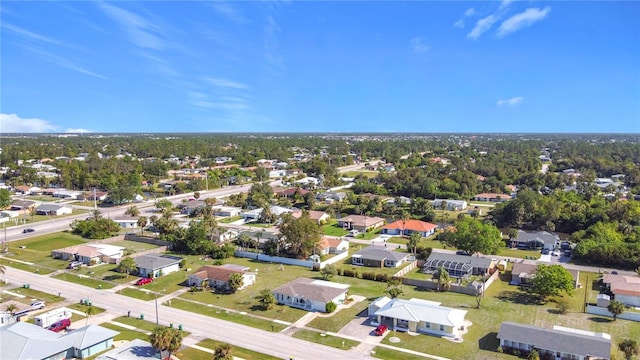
column 37, row 304
column 555, row 253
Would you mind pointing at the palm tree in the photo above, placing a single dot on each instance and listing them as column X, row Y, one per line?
column 127, row 266
column 11, row 309
column 236, row 281
column 132, row 211
column 442, row 275
column 412, row 244
column 223, row 352
column 616, row 308
column 142, row 222
column 629, row 348
column 166, row 339
column 89, row 312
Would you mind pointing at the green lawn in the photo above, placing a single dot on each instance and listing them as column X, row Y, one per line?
column 517, row 253
column 90, row 282
column 104, row 272
column 504, row 302
column 339, row 319
column 26, row 267
column 324, row 339
column 83, row 308
column 368, row 173
column 137, row 294
column 236, row 351
column 125, row 334
column 35, row 294
column 134, row 246
column 388, row 354
column 193, row 354
column 247, row 320
column 169, row 283
column 38, row 251
column 228, row 220
column 332, row 229
column 137, row 322
column 371, row 234
column 49, row 242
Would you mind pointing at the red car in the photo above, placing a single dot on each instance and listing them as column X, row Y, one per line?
column 143, row 281
column 380, row 330
column 60, row 325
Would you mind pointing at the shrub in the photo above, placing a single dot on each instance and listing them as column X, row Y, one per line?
column 182, row 264
column 562, row 305
column 350, row 273
column 368, row 275
column 516, row 352
column 382, row 277
column 331, row 307
column 499, row 349
column 340, row 271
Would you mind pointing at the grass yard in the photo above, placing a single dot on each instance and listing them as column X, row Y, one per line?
column 38, row 251
column 380, row 352
column 228, row 220
column 192, row 354
column 83, row 308
column 35, row 294
column 236, row 351
column 324, row 339
column 332, row 229
column 504, row 302
column 125, row 334
column 104, row 272
column 26, row 267
column 134, row 246
column 93, row 283
column 371, row 234
column 247, row 320
column 169, row 283
column 368, row 173
column 517, row 253
column 339, row 319
column 49, row 242
column 137, row 294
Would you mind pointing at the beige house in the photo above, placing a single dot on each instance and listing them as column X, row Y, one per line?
column 218, row 276
column 360, row 222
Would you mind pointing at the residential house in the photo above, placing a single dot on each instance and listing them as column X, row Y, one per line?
column 218, row 276
column 535, row 240
column 524, row 271
column 459, row 266
column 360, row 222
column 320, row 217
column 135, row 349
column 449, row 204
column 90, row 254
column 492, row 197
column 331, row 196
column 26, row 341
column 332, row 245
column 53, row 209
column 308, row 182
column 26, row 189
column 418, row 315
column 310, row 294
column 407, row 227
column 255, row 213
column 291, row 192
column 379, row 257
column 154, row 265
column 98, row 196
column 558, row 342
column 625, row 289
column 68, row 194
column 127, row 222
column 226, row 211
column 23, row 206
column 189, row 207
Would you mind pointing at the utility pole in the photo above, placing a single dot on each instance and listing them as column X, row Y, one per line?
column 95, row 201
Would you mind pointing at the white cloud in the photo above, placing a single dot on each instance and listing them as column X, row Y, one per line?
column 78, row 131
column 32, row 36
column 63, row 61
column 482, row 26
column 230, row 12
column 418, row 45
column 522, row 20
column 470, row 12
column 459, row 24
column 12, row 123
column 505, row 3
column 510, row 102
column 226, row 83
column 140, row 31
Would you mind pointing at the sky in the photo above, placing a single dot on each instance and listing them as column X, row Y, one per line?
column 320, row 66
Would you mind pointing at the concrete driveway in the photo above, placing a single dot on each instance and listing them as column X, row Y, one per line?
column 361, row 328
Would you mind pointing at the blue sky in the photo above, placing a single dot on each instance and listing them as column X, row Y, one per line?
column 320, row 66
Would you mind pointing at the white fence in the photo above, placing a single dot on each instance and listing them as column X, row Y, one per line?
column 627, row 315
column 335, row 259
column 289, row 261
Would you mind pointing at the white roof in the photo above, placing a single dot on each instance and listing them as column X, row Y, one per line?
column 416, row 310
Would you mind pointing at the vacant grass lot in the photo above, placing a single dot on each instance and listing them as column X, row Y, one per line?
column 125, row 334
column 83, row 308
column 26, row 267
column 332, row 229
column 325, row 339
column 38, row 251
column 134, row 246
column 90, row 282
column 169, row 283
column 236, row 351
column 138, row 294
column 247, row 320
column 193, row 354
column 49, row 242
column 504, row 302
column 104, row 272
column 31, row 294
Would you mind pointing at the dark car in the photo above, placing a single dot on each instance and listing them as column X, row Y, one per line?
column 462, row 252
column 25, row 231
column 380, row 330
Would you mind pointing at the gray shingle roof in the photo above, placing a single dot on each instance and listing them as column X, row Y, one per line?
column 539, row 236
column 155, row 262
column 49, row 207
column 556, row 340
column 475, row 261
column 316, row 290
column 380, row 253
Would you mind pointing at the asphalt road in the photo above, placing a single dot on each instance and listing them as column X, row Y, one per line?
column 200, row 326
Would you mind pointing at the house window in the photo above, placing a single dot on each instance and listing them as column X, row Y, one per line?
column 441, row 327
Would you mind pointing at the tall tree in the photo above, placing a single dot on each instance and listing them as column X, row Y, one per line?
column 266, row 299
column 127, row 266
column 142, row 223
column 472, row 235
column 301, row 235
column 5, row 198
column 615, row 308
column 166, row 339
column 11, row 308
column 394, row 288
column 223, row 352
column 132, row 211
column 629, row 347
column 552, row 280
column 442, row 276
column 236, row 281
column 414, row 239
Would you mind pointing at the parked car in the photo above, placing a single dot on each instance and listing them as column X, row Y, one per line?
column 143, row 281
column 25, row 231
column 37, row 304
column 380, row 330
column 462, row 252
column 555, row 253
column 614, row 272
column 74, row 265
column 545, row 251
column 60, row 325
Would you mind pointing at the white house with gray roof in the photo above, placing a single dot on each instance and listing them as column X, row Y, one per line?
column 379, row 256
column 418, row 315
column 559, row 342
column 310, row 294
column 535, row 240
column 25, row 341
column 157, row 265
column 53, row 209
